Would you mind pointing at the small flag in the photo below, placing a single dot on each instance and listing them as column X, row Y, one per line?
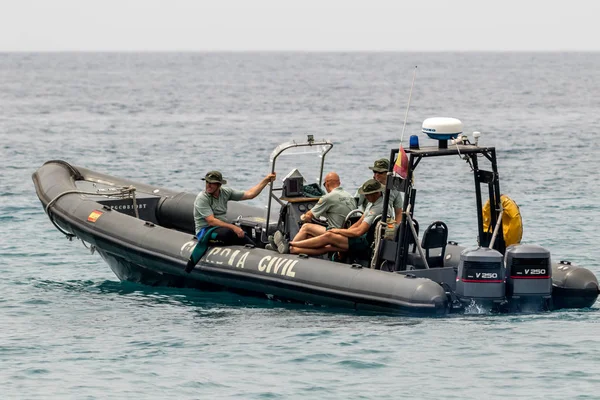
column 93, row 217
column 401, row 164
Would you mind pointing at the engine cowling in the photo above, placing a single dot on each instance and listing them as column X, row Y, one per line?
column 528, row 271
column 481, row 275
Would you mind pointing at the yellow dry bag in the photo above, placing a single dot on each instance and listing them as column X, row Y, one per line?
column 512, row 225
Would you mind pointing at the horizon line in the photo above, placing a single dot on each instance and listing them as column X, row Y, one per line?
column 2, row 51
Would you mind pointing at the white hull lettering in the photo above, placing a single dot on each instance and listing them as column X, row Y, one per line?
column 187, row 248
column 235, row 253
column 225, row 252
column 287, row 268
column 279, row 266
column 127, row 206
column 242, row 260
column 213, row 252
column 220, row 256
column 261, row 264
column 273, row 262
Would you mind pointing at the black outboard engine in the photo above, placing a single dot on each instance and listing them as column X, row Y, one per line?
column 528, row 277
column 480, row 276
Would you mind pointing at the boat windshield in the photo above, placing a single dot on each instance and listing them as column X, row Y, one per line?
column 294, row 148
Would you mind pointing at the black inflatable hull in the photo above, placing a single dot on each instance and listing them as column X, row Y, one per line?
column 143, row 251
column 573, row 286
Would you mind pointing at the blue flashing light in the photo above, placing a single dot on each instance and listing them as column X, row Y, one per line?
column 414, row 142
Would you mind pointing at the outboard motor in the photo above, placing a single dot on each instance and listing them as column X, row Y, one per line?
column 528, row 276
column 480, row 276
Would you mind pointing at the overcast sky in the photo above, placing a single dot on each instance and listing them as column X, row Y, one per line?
column 307, row 25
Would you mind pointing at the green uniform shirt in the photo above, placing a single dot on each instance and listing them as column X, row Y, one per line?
column 206, row 205
column 334, row 206
column 372, row 210
column 396, row 201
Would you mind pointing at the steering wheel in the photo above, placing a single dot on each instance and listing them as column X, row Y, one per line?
column 352, row 217
column 319, row 220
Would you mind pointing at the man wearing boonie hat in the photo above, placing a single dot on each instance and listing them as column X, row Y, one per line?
column 210, row 209
column 339, row 239
column 380, row 169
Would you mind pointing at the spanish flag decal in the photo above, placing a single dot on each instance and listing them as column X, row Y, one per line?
column 93, row 217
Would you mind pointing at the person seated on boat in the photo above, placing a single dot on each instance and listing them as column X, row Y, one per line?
column 380, row 169
column 210, row 208
column 339, row 239
column 334, row 206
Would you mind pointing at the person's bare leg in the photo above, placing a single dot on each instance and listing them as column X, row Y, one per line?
column 328, row 238
column 314, row 252
column 308, row 231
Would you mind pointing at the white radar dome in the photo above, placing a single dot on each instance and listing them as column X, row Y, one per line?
column 442, row 128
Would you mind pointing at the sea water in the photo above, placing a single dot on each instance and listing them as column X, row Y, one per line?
column 70, row 329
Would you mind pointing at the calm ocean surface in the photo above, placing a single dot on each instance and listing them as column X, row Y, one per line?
column 70, row 329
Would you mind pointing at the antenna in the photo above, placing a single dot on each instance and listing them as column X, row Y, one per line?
column 408, row 105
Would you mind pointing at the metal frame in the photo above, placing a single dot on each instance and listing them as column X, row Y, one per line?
column 326, row 146
column 465, row 151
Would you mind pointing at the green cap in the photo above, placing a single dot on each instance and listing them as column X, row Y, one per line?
column 381, row 165
column 371, row 186
column 214, row 177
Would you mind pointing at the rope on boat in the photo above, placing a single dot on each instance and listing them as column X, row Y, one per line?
column 380, row 227
column 497, row 227
column 124, row 192
column 466, row 158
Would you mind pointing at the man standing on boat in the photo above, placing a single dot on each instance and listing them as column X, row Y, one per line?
column 334, row 206
column 380, row 169
column 210, row 209
column 339, row 239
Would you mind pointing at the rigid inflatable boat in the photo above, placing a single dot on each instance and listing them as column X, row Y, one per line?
column 146, row 235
